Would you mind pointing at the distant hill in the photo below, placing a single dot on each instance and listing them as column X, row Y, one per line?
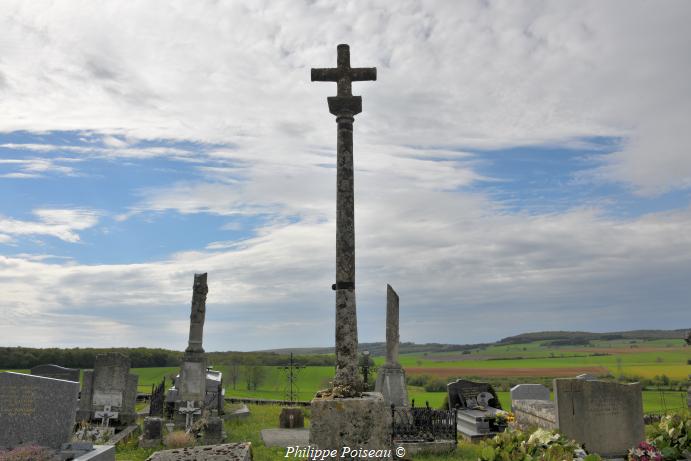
column 584, row 336
column 379, row 349
column 557, row 338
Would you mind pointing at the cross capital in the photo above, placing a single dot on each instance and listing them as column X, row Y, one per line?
column 343, row 74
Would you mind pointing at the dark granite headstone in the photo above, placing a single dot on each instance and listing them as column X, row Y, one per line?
column 36, row 409
column 291, row 418
column 57, row 372
column 470, row 394
column 213, row 431
column 152, row 434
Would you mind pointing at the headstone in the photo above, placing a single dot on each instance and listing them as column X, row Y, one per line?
column 470, row 394
column 213, row 431
column 57, row 372
column 477, row 407
column 36, row 409
column 529, row 392
column 291, row 418
column 606, row 417
column 391, row 377
column 110, row 384
column 587, row 377
column 225, row 452
column 152, row 435
column 352, row 418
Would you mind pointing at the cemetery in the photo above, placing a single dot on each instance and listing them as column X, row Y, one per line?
column 520, row 399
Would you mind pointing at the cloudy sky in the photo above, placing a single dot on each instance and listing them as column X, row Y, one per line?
column 519, row 166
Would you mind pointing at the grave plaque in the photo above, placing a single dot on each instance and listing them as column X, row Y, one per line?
column 606, row 417
column 36, row 409
column 470, row 394
column 56, row 371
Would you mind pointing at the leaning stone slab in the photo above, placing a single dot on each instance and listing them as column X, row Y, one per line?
column 531, row 413
column 529, row 392
column 606, row 417
column 56, row 372
column 35, row 409
column 225, row 452
column 362, row 422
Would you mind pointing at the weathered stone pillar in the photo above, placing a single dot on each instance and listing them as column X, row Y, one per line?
column 198, row 314
column 390, row 376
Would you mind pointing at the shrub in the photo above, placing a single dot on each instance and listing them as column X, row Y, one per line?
column 179, row 439
column 672, row 436
column 540, row 445
column 435, row 385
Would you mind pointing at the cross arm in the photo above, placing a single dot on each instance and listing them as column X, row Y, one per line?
column 325, row 75
column 359, row 74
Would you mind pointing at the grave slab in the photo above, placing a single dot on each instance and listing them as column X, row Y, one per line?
column 225, row 452
column 286, row 437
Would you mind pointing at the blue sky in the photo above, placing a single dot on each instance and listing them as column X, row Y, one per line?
column 519, row 167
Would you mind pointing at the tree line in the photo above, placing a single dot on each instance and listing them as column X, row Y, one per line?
column 141, row 357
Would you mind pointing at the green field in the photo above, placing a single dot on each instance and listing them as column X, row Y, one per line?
column 652, row 361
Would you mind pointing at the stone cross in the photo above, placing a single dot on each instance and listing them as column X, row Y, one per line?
column 189, row 411
column 392, row 335
column 200, row 289
column 345, row 106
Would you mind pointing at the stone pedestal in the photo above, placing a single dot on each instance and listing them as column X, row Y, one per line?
column 359, row 423
column 153, row 433
column 291, row 418
column 391, row 384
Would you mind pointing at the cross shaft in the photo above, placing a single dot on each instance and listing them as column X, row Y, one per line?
column 344, row 106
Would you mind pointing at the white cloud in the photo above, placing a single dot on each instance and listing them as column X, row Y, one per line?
column 451, row 75
column 472, row 73
column 59, row 223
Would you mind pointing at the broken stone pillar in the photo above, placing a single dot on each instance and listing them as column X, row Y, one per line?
column 192, row 382
column 390, row 376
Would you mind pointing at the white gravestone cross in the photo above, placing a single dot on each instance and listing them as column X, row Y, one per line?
column 189, row 411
